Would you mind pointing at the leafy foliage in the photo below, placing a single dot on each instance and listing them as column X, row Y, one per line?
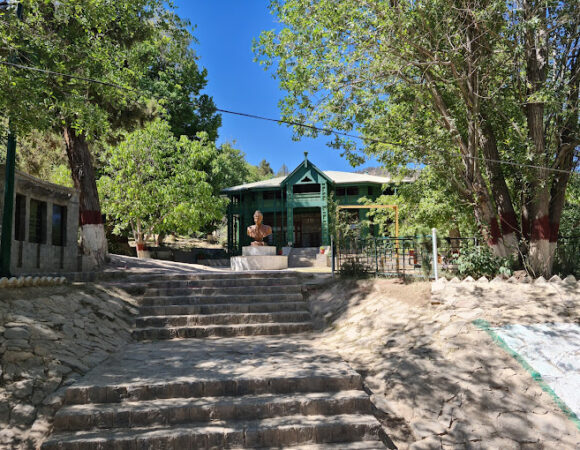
column 153, row 184
column 455, row 87
column 479, row 262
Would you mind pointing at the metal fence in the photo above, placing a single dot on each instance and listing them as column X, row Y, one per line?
column 411, row 255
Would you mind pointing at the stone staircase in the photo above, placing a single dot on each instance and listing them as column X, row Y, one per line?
column 223, row 305
column 247, row 391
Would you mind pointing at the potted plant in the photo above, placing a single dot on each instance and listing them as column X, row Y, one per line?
column 322, row 249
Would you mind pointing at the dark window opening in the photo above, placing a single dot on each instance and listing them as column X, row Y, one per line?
column 59, row 225
column 389, row 191
column 352, row 190
column 370, row 191
column 306, row 188
column 20, row 218
column 37, row 223
column 271, row 195
column 340, row 192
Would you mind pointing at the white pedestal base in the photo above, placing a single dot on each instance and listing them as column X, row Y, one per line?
column 258, row 262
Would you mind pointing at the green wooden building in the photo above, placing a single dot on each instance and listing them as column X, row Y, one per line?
column 296, row 206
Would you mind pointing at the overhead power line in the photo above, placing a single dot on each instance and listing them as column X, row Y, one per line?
column 280, row 121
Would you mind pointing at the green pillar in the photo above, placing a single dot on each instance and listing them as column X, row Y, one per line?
column 289, row 214
column 324, row 213
column 8, row 209
column 230, row 219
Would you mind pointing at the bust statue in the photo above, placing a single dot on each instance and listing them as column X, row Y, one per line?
column 259, row 231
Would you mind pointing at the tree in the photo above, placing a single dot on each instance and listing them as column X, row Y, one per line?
column 283, row 171
column 153, row 184
column 457, row 86
column 136, row 45
column 264, row 170
column 173, row 77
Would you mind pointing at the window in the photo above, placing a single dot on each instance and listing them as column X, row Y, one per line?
column 37, row 224
column 59, row 225
column 370, row 191
column 340, row 192
column 306, row 188
column 271, row 195
column 20, row 218
column 352, row 190
column 389, row 191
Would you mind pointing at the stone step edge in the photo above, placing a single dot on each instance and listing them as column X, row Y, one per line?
column 225, row 306
column 213, row 331
column 226, row 314
column 358, row 426
column 278, row 385
column 243, row 298
column 235, row 325
column 281, row 280
column 269, row 287
column 216, row 408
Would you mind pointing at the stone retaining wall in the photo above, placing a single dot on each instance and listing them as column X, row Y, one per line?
column 49, row 337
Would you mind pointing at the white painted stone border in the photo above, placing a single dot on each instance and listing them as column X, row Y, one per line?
column 569, row 281
column 10, row 283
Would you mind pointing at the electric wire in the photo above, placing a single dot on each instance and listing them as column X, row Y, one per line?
column 280, row 121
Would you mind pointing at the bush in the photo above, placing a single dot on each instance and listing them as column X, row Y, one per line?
column 353, row 268
column 567, row 256
column 479, row 262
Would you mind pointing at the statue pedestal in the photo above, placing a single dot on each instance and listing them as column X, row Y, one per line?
column 258, row 258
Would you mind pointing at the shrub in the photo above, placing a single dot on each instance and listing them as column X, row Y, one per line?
column 480, row 262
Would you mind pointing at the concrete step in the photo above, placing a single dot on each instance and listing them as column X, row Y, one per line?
column 210, row 291
column 173, row 310
column 277, row 431
column 197, row 299
column 305, row 251
column 316, row 380
column 208, row 275
column 225, row 282
column 186, row 410
column 301, row 261
column 221, row 319
column 154, row 333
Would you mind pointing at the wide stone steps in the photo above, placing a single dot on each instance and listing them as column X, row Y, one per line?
column 222, row 319
column 157, row 333
column 224, row 282
column 196, row 299
column 277, row 431
column 244, row 392
column 177, row 411
column 229, row 290
column 246, row 307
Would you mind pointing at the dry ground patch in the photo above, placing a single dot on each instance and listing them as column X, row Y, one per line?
column 439, row 380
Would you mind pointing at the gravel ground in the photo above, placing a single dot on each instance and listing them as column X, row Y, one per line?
column 439, row 380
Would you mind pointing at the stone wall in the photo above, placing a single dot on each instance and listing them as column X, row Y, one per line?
column 44, row 253
column 49, row 337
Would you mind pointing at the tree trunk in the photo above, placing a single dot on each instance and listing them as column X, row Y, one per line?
column 508, row 223
column 93, row 238
column 140, row 244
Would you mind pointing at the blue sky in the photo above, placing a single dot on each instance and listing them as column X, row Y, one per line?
column 225, row 30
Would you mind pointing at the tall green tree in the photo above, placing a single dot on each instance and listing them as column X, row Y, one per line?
column 153, row 183
column 265, row 170
column 455, row 85
column 140, row 45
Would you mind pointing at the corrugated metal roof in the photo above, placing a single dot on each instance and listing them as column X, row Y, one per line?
column 336, row 177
